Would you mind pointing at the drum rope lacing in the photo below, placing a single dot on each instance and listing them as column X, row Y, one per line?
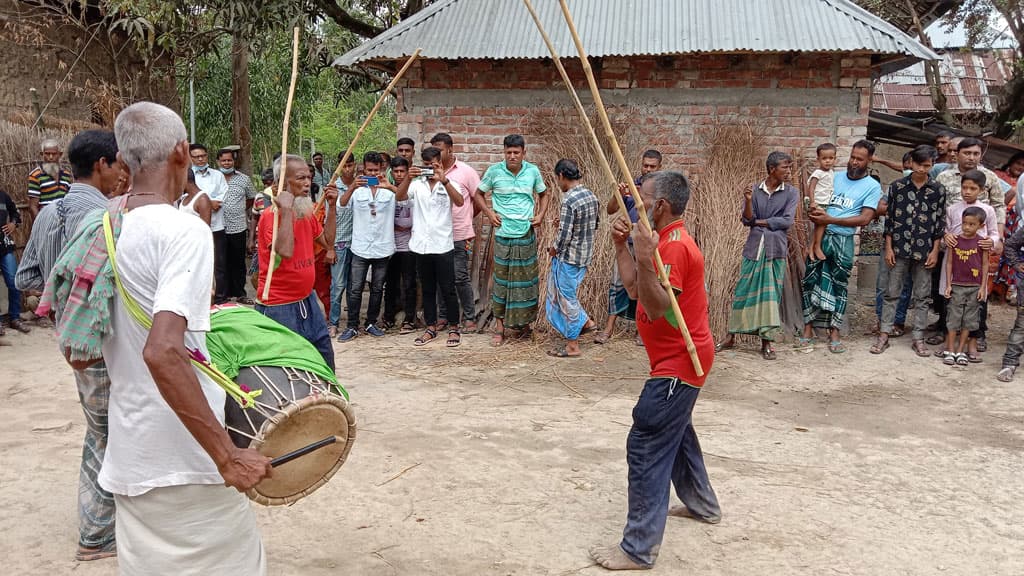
column 282, row 399
column 244, row 398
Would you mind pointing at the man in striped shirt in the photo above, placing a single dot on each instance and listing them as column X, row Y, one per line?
column 48, row 182
column 98, row 176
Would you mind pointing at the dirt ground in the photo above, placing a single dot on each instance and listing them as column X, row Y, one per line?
column 477, row 462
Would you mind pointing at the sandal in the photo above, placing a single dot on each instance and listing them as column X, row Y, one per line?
column 407, row 328
column 836, row 347
column 948, row 358
column 725, row 345
column 425, row 338
column 805, row 343
column 940, row 353
column 982, row 345
column 1006, row 374
column 562, row 353
column 108, row 550
column 880, row 345
column 897, row 331
column 602, row 338
column 498, row 339
column 936, row 339
column 973, row 358
column 961, row 359
column 768, row 353
column 588, row 328
column 469, row 327
column 920, row 349
column 245, row 300
column 454, row 339
column 638, row 340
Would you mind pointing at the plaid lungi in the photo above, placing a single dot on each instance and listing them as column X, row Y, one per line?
column 755, row 305
column 826, row 282
column 95, row 505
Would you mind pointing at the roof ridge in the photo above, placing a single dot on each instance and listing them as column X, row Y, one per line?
column 881, row 24
column 404, row 26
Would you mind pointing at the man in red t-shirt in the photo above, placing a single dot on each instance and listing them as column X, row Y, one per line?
column 292, row 301
column 662, row 447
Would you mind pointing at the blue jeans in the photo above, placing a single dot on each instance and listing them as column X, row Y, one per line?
column 305, row 319
column 662, row 448
column 339, row 280
column 9, row 265
column 882, row 284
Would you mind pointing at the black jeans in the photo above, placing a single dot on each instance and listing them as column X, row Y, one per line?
column 235, row 263
column 437, row 275
column 463, row 284
column 220, row 268
column 400, row 286
column 357, row 280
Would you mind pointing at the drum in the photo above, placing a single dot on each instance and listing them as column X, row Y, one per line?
column 296, row 408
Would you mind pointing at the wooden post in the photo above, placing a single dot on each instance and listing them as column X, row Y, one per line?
column 284, row 161
column 623, row 166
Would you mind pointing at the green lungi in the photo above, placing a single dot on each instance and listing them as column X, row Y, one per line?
column 826, row 282
column 516, row 280
column 755, row 305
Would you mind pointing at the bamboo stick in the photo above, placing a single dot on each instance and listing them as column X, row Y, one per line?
column 623, row 166
column 373, row 112
column 284, row 161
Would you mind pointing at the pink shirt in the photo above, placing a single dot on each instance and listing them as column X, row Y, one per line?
column 954, row 221
column 462, row 216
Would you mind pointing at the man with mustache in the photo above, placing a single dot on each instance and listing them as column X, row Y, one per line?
column 48, row 182
column 855, row 198
column 292, row 301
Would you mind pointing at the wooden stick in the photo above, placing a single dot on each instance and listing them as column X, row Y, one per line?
column 624, row 167
column 284, row 161
column 373, row 112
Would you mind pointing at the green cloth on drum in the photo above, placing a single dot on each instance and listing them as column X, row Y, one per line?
column 755, row 305
column 516, row 280
column 240, row 337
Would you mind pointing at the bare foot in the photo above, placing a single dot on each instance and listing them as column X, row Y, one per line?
column 818, row 254
column 681, row 511
column 613, row 558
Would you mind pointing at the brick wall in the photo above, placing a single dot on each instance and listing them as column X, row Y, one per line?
column 798, row 101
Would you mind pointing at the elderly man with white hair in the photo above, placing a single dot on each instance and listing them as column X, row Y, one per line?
column 292, row 300
column 175, row 474
column 47, row 182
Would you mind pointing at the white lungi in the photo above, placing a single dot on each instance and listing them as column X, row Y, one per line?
column 195, row 529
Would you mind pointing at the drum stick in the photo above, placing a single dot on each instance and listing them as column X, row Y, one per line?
column 373, row 112
column 623, row 167
column 303, row 451
column 284, row 160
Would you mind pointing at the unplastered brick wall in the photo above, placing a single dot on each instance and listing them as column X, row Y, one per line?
column 797, row 101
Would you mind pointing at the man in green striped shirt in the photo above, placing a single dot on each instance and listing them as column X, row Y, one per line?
column 48, row 182
column 514, row 213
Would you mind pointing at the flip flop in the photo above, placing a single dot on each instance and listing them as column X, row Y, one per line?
column 973, row 358
column 836, row 347
column 561, row 353
column 588, row 328
column 602, row 338
column 920, row 349
column 804, row 343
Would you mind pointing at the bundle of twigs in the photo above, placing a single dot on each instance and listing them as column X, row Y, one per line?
column 734, row 155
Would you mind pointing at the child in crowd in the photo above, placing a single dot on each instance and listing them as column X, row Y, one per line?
column 820, row 185
column 966, row 289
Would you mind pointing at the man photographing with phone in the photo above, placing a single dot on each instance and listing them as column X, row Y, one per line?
column 373, row 243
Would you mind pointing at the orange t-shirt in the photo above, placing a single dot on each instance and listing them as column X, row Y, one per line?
column 293, row 277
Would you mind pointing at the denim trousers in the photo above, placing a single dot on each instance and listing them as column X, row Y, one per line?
column 921, row 279
column 339, row 280
column 662, row 449
column 1015, row 343
column 463, row 285
column 9, row 265
column 305, row 319
column 95, row 505
column 357, row 281
column 400, row 287
column 882, row 285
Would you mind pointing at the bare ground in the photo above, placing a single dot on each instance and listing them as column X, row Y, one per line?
column 476, row 461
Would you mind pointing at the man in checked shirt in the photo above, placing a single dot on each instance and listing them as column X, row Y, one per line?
column 570, row 256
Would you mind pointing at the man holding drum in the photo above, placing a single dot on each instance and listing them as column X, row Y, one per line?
column 169, row 457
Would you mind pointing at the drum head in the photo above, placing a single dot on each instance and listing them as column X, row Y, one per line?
column 306, row 421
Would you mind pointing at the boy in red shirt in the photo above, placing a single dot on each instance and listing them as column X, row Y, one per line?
column 966, row 288
column 292, row 301
column 662, row 447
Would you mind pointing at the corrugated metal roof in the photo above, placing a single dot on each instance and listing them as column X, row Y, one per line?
column 503, row 29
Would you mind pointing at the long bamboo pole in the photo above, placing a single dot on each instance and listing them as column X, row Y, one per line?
column 284, row 161
column 373, row 112
column 623, row 165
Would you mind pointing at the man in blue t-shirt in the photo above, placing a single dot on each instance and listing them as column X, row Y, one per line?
column 854, row 202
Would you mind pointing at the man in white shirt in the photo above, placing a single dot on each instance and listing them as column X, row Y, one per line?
column 174, row 472
column 216, row 187
column 373, row 243
column 432, row 241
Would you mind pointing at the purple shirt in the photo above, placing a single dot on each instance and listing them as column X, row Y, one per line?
column 966, row 261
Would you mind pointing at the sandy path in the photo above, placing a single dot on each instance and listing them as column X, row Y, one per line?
column 823, row 465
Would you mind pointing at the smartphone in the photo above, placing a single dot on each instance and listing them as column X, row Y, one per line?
column 426, row 171
column 372, row 180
